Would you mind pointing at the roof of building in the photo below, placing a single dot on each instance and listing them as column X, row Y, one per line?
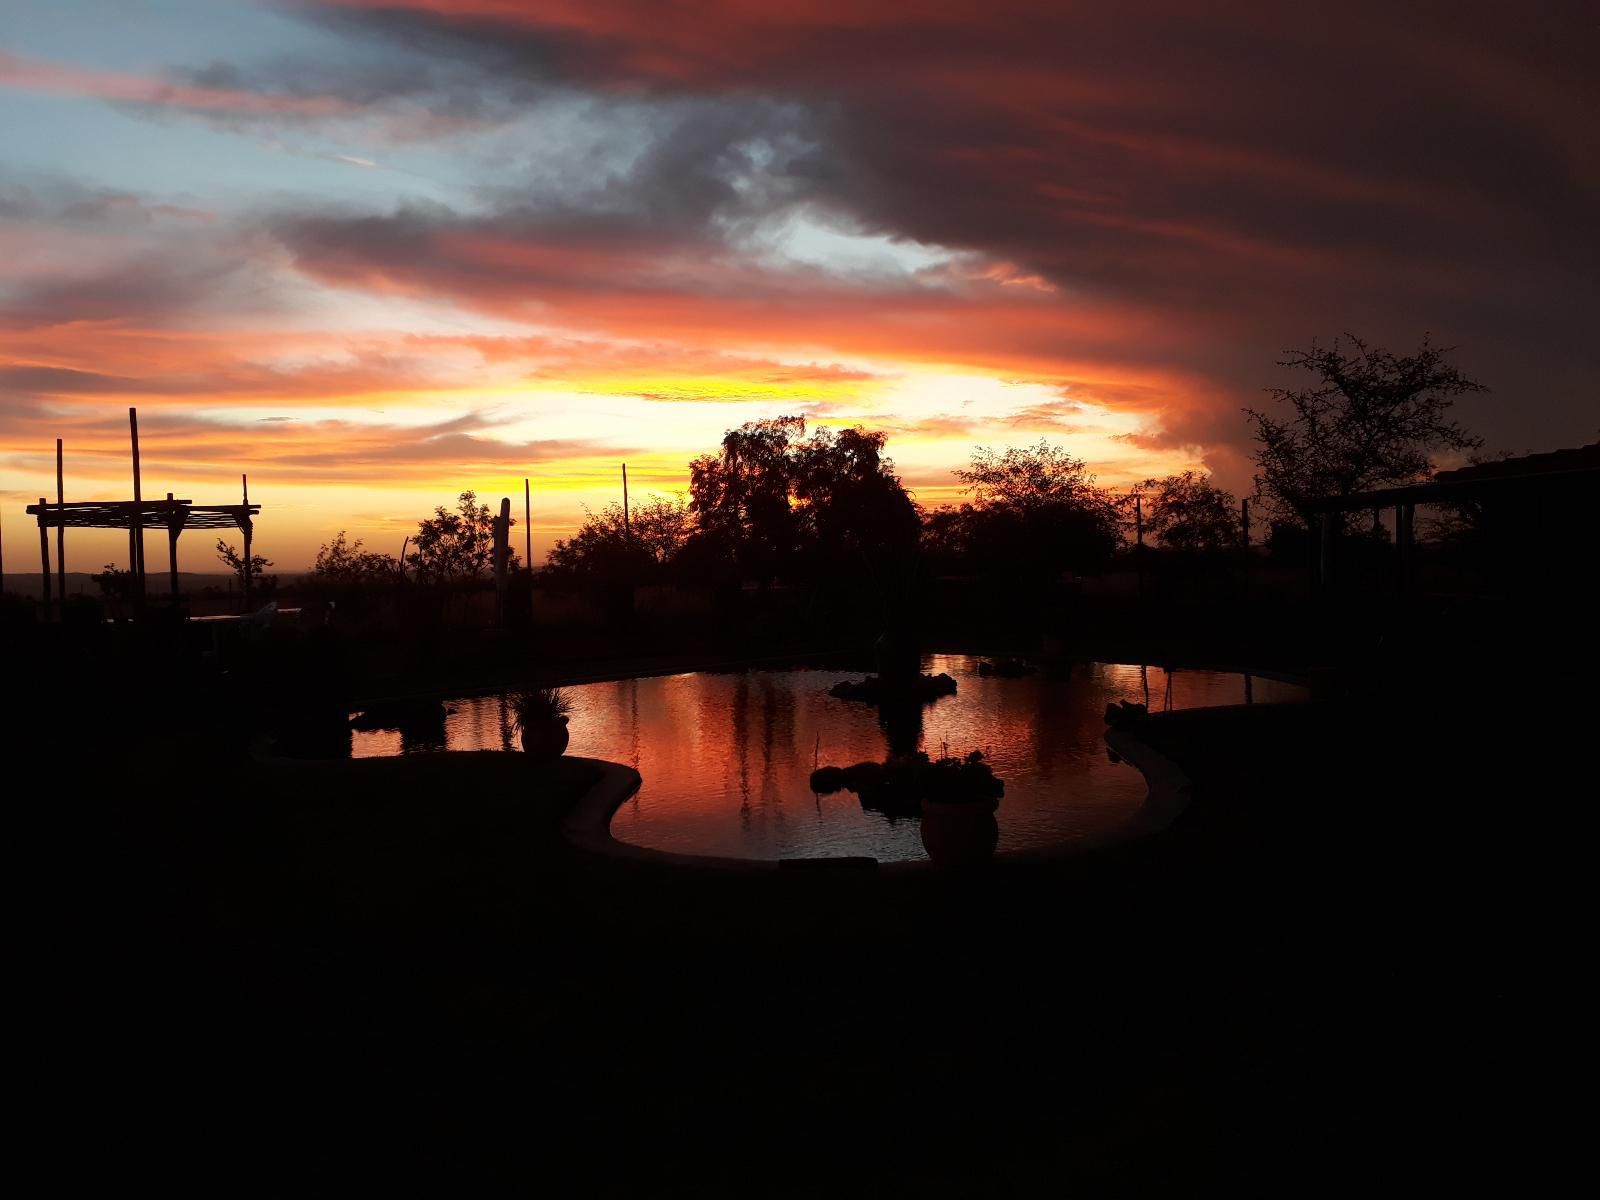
column 1475, row 481
column 1575, row 458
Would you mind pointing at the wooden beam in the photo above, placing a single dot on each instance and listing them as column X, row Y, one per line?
column 44, row 559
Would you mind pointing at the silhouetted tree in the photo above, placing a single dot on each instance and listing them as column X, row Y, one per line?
column 851, row 509
column 1188, row 512
column 740, row 495
column 234, row 561
column 456, row 547
column 1372, row 419
column 772, row 497
column 604, row 550
column 1036, row 511
column 114, row 584
column 343, row 563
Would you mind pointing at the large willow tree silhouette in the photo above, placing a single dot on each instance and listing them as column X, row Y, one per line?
column 1371, row 419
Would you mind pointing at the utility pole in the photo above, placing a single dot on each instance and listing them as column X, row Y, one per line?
column 627, row 521
column 527, row 520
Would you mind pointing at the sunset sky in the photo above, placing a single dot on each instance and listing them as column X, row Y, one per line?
column 374, row 252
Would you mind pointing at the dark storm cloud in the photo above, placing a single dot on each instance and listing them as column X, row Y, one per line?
column 1259, row 175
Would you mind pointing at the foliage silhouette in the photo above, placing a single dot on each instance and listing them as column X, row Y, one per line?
column 344, row 564
column 1187, row 512
column 235, row 562
column 1036, row 512
column 456, row 547
column 1371, row 419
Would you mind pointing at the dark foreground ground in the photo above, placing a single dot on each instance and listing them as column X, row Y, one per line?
column 383, row 978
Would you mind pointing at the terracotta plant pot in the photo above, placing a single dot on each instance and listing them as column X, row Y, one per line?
column 960, row 834
column 547, row 739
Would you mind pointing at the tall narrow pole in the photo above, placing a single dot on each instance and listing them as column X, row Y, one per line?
column 627, row 521
column 527, row 519
column 246, row 527
column 1244, row 522
column 1138, row 535
column 172, row 550
column 136, row 542
column 2, row 556
column 1405, row 545
column 44, row 555
column 61, row 530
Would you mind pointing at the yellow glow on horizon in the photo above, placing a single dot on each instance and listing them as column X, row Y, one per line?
column 375, row 462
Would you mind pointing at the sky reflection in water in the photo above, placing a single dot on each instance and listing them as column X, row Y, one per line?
column 727, row 758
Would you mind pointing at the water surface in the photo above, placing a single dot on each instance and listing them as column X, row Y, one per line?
column 726, row 758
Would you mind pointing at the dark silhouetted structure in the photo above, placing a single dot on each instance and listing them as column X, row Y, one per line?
column 1524, row 511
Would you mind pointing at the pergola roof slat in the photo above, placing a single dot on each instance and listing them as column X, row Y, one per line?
column 122, row 514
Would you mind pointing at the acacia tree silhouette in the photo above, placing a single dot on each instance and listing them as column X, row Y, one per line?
column 1188, row 512
column 456, row 547
column 1036, row 512
column 1372, row 419
column 235, row 562
column 610, row 547
column 343, row 563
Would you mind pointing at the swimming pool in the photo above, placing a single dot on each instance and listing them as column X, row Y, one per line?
column 726, row 758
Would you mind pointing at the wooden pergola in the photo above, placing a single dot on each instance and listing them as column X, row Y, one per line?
column 1569, row 474
column 172, row 515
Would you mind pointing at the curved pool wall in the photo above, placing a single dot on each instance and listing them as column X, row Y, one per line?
column 725, row 758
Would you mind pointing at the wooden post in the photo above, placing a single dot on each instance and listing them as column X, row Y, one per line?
column 246, row 526
column 527, row 520
column 1405, row 516
column 136, row 539
column 44, row 556
column 172, row 550
column 1244, row 544
column 1325, row 554
column 1138, row 535
column 627, row 521
column 61, row 529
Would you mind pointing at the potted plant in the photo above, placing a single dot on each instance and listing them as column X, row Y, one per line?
column 959, row 798
column 541, row 716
